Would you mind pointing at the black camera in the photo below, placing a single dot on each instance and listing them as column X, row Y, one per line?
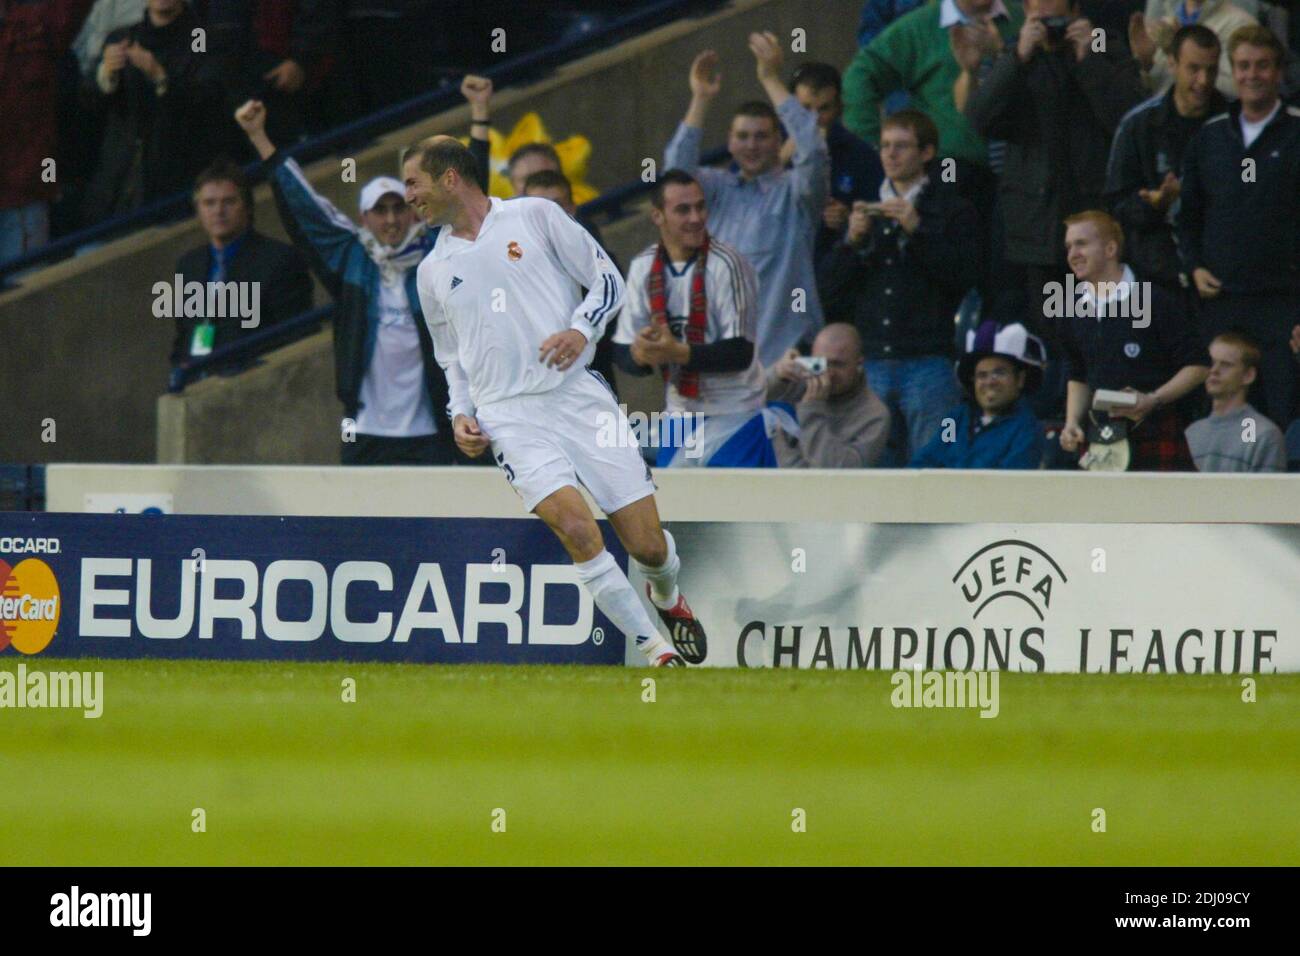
column 1056, row 28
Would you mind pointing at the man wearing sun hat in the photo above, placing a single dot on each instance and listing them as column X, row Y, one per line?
column 994, row 426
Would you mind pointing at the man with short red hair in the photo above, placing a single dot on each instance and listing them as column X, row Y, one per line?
column 1123, row 335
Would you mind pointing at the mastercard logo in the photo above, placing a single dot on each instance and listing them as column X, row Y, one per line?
column 29, row 605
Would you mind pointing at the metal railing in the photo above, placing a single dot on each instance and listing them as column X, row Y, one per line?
column 22, row 487
column 611, row 202
column 236, row 355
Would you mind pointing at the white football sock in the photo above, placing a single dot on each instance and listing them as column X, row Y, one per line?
column 615, row 596
column 663, row 579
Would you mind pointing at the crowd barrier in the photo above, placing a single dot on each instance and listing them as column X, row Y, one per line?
column 878, row 570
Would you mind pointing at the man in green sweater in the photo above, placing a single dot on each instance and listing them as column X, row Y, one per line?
column 914, row 53
column 917, row 53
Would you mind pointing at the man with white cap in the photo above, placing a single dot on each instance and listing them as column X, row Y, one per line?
column 392, row 389
column 994, row 427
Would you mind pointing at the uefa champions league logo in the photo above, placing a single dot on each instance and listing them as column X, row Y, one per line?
column 1010, row 569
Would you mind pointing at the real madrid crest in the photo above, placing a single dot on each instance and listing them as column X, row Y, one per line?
column 514, row 252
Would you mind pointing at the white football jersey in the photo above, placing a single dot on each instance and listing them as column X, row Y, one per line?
column 730, row 288
column 490, row 303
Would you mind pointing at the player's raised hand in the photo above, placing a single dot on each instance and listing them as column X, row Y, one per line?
column 562, row 349
column 767, row 51
column 251, row 117
column 706, row 79
column 469, row 436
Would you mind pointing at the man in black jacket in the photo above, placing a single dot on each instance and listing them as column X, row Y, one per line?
column 899, row 274
column 161, row 102
column 1146, row 159
column 1239, row 224
column 269, row 276
column 271, row 50
column 1056, row 98
column 1122, row 334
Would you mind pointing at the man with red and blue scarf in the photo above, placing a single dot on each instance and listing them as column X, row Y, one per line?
column 691, row 313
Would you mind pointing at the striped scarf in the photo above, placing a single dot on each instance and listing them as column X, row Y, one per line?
column 395, row 261
column 688, row 383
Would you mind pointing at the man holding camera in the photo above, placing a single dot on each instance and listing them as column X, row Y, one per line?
column 899, row 274
column 1056, row 97
column 842, row 423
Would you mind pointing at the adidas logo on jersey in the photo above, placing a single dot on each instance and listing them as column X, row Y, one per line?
column 455, row 281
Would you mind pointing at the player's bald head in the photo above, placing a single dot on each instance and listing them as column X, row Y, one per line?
column 838, row 338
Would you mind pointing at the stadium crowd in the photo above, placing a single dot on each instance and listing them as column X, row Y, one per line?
column 1099, row 202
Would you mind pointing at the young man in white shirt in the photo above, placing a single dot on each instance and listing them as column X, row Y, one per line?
column 691, row 313
column 500, row 291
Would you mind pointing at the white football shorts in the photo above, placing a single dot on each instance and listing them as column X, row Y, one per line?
column 575, row 435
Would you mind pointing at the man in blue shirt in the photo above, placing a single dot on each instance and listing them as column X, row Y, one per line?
column 994, row 427
column 768, row 213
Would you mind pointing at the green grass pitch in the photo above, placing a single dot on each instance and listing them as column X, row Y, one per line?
column 588, row 773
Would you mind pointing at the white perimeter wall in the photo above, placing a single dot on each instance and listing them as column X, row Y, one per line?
column 714, row 495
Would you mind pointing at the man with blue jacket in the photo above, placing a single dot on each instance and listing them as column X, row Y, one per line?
column 994, row 427
column 394, row 393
